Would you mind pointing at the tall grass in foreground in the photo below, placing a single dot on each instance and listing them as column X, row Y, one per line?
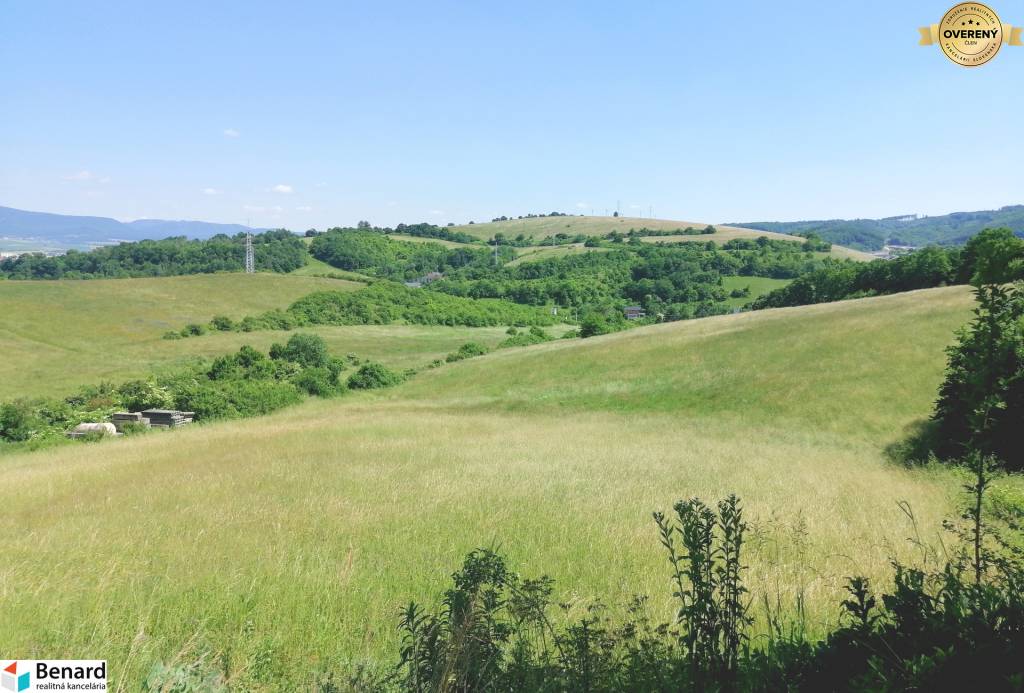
column 959, row 626
column 955, row 625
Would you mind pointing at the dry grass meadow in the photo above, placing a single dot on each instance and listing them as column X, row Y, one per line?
column 285, row 545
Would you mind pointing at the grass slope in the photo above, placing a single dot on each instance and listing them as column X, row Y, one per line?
column 55, row 335
column 287, row 544
column 758, row 286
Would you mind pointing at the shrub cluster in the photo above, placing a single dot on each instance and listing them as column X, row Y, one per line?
column 381, row 303
column 466, row 351
column 516, row 338
column 244, row 384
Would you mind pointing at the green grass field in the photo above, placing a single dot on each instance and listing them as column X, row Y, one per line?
column 285, row 545
column 422, row 239
column 758, row 286
column 56, row 335
column 540, row 227
column 54, row 352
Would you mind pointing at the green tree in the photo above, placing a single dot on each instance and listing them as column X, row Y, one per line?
column 981, row 402
column 994, row 256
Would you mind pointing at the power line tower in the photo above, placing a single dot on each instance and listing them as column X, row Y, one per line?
column 250, row 256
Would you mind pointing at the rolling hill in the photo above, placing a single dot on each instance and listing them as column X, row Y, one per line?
column 537, row 228
column 915, row 230
column 53, row 231
column 284, row 546
column 52, row 352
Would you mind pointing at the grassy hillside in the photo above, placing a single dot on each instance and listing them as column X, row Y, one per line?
column 287, row 544
column 757, row 286
column 540, row 227
column 55, row 335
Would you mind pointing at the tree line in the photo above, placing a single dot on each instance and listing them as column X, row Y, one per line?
column 993, row 256
column 275, row 251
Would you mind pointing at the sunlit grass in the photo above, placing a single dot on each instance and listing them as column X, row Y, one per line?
column 301, row 534
column 56, row 335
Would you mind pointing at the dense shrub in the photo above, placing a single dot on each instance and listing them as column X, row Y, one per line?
column 206, row 401
column 222, row 323
column 371, row 376
column 466, row 351
column 534, row 335
column 258, row 397
column 321, row 382
column 247, row 363
column 595, row 324
column 384, row 303
column 308, row 350
column 137, row 395
column 18, row 421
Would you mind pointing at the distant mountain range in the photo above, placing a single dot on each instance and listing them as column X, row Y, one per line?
column 872, row 234
column 68, row 231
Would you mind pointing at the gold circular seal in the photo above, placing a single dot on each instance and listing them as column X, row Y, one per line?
column 970, row 34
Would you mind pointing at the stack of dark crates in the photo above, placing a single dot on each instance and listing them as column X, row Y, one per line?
column 167, row 418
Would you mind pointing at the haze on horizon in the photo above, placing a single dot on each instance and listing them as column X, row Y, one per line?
column 329, row 113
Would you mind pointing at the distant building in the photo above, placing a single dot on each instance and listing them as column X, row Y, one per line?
column 634, row 312
column 427, row 278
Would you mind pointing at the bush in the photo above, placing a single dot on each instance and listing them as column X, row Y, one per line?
column 207, row 402
column 321, row 382
column 308, row 350
column 534, row 336
column 18, row 421
column 248, row 363
column 466, row 351
column 193, row 330
column 137, row 395
column 371, row 376
column 259, row 397
column 593, row 325
column 222, row 323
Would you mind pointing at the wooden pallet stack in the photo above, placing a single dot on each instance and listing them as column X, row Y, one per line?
column 121, row 418
column 167, row 418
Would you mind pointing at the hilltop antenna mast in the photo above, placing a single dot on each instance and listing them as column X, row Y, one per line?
column 250, row 256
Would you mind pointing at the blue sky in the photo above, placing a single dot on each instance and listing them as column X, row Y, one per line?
column 313, row 114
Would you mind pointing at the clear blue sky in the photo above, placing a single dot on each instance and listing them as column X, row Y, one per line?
column 323, row 113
